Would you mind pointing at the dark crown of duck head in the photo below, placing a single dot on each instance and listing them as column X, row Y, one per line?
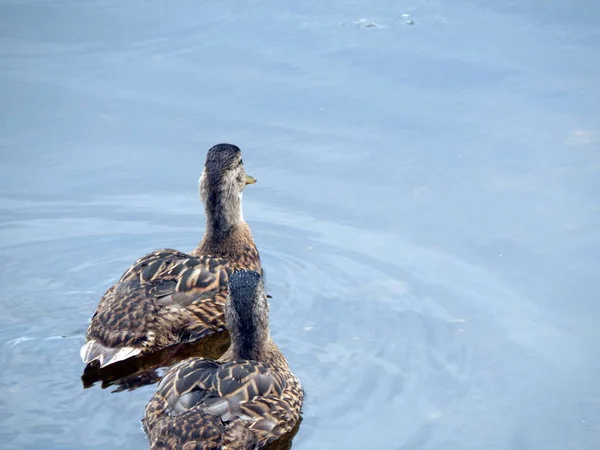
column 244, row 287
column 221, row 158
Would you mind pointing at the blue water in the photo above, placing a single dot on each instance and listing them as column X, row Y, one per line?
column 427, row 206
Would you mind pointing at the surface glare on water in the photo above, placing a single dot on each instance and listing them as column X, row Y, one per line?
column 426, row 206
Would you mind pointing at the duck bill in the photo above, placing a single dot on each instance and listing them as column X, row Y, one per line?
column 250, row 180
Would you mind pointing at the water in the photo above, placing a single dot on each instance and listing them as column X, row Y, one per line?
column 426, row 208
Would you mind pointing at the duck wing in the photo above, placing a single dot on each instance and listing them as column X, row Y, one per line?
column 166, row 297
column 243, row 402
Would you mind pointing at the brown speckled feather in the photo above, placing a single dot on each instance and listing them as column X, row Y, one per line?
column 205, row 404
column 166, row 297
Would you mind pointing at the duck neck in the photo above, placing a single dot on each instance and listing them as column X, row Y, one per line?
column 250, row 341
column 223, row 213
column 227, row 235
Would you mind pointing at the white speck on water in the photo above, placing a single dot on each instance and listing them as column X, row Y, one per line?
column 367, row 23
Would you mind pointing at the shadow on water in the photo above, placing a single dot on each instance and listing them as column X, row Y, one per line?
column 142, row 371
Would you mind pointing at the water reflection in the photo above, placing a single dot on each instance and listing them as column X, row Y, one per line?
column 143, row 371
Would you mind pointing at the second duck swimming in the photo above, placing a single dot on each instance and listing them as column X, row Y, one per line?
column 244, row 400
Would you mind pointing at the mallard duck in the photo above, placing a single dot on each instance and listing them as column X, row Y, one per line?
column 244, row 400
column 169, row 297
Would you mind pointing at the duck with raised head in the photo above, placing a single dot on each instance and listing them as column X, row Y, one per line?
column 169, row 297
column 244, row 400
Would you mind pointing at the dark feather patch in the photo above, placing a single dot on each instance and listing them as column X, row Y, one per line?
column 228, row 385
column 220, row 158
column 151, row 270
column 243, row 284
column 238, row 373
column 264, row 383
column 189, row 400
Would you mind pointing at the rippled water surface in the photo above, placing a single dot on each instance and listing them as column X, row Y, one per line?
column 427, row 206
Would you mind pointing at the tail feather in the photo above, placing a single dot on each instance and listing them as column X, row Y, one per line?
column 95, row 351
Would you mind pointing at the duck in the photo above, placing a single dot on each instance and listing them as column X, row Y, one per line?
column 246, row 399
column 169, row 297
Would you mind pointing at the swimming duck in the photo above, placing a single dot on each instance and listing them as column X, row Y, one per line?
column 244, row 400
column 169, row 297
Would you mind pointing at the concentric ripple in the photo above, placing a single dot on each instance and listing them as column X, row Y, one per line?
column 387, row 337
column 357, row 331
